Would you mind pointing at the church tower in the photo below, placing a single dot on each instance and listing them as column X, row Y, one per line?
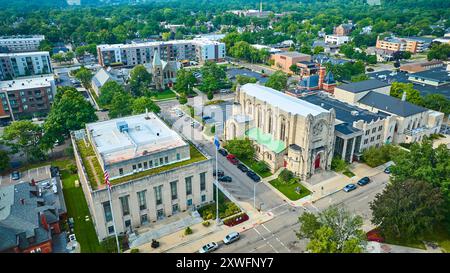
column 157, row 71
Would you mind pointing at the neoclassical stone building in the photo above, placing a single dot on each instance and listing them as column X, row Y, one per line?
column 285, row 130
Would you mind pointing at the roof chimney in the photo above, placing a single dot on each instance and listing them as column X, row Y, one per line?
column 404, row 96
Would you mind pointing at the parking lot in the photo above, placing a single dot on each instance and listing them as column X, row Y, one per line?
column 38, row 174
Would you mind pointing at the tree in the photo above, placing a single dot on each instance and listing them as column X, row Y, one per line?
column 412, row 95
column 70, row 111
column 185, row 81
column 108, row 91
column 318, row 49
column 333, row 230
column 439, row 52
column 140, row 105
column 375, row 156
column 140, row 80
column 121, row 105
column 286, row 176
column 182, row 99
column 277, row 81
column 408, row 209
column 242, row 148
column 59, row 57
column 359, row 78
column 213, row 77
column 241, row 80
column 294, row 68
column 84, row 75
column 437, row 102
column 4, row 161
column 210, row 95
column 24, row 136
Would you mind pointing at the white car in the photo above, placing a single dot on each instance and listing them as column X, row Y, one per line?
column 232, row 237
column 209, row 247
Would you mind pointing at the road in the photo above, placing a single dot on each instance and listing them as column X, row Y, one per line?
column 278, row 234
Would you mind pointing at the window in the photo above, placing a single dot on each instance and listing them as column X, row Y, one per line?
column 173, row 190
column 134, row 167
column 366, row 141
column 189, row 202
column 378, row 137
column 202, row 181
column 374, row 130
column 161, row 161
column 166, row 159
column 380, row 128
column 127, row 223
column 144, row 219
column 150, row 163
column 372, row 139
column 111, row 229
column 203, row 198
column 175, row 208
column 188, row 185
column 145, row 165
column 158, row 195
column 107, row 211
column 160, row 214
column 120, row 171
column 178, row 156
column 125, row 206
column 140, row 165
column 367, row 132
column 141, row 200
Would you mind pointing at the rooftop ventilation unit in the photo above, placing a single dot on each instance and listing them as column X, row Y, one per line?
column 122, row 126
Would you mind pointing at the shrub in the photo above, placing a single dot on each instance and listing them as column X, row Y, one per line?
column 182, row 99
column 213, row 129
column 134, row 250
column 286, row 176
column 188, row 231
column 338, row 164
column 72, row 168
column 235, row 220
column 375, row 156
column 206, row 223
column 210, row 95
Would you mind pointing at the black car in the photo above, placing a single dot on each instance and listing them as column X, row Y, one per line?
column 253, row 176
column 225, row 179
column 223, row 152
column 242, row 167
column 219, row 172
column 387, row 170
column 15, row 175
column 364, row 181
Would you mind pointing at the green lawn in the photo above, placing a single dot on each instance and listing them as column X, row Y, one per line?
column 288, row 189
column 196, row 156
column 251, row 164
column 77, row 209
column 164, row 95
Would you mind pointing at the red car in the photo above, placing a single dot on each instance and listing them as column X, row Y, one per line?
column 232, row 158
column 375, row 236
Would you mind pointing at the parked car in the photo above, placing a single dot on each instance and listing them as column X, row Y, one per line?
column 70, row 223
column 209, row 247
column 349, row 187
column 364, row 181
column 242, row 167
column 387, row 170
column 205, row 118
column 220, row 173
column 223, row 152
column 15, row 175
column 253, row 176
column 187, row 119
column 232, row 158
column 232, row 237
column 225, row 179
column 180, row 114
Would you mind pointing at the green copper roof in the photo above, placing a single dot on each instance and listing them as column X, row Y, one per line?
column 267, row 140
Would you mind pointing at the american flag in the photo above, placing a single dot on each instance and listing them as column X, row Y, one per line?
column 106, row 175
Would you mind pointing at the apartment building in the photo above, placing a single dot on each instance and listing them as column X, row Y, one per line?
column 155, row 173
column 401, row 44
column 21, row 43
column 199, row 50
column 286, row 131
column 284, row 60
column 14, row 65
column 26, row 96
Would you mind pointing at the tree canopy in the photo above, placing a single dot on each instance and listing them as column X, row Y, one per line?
column 277, row 81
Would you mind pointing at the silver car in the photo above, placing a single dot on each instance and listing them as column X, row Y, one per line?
column 230, row 238
column 210, row 247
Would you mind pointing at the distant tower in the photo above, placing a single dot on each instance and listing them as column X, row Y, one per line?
column 157, row 71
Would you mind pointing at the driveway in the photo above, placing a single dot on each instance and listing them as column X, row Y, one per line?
column 38, row 174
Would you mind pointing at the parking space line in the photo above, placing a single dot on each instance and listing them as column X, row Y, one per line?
column 276, row 251
column 282, row 244
column 259, row 233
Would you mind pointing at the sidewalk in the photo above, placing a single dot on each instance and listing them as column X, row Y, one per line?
column 180, row 243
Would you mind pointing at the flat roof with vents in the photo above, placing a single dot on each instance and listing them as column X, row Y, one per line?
column 144, row 135
column 27, row 83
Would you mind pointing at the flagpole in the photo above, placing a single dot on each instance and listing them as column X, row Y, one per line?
column 114, row 222
column 108, row 184
column 217, row 191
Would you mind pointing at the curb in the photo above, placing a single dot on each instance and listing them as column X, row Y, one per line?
column 313, row 201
